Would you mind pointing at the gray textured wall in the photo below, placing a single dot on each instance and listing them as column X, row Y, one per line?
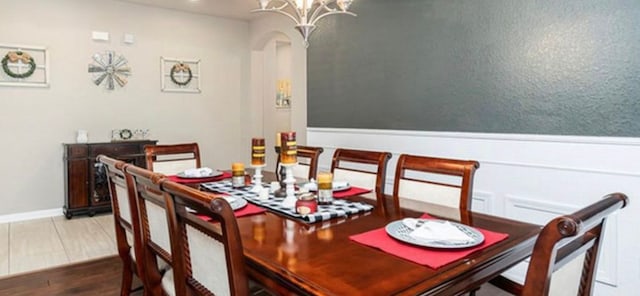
column 569, row 67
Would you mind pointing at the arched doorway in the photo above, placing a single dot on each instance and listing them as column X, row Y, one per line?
column 272, row 100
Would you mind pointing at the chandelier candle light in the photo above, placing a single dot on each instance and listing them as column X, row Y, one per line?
column 288, row 159
column 305, row 13
column 257, row 162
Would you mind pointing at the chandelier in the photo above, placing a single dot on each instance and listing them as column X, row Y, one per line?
column 305, row 13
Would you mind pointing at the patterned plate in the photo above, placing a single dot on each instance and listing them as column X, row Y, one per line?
column 400, row 231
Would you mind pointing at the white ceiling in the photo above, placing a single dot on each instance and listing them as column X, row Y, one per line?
column 238, row 9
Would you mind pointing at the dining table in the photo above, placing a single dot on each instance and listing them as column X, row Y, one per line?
column 293, row 256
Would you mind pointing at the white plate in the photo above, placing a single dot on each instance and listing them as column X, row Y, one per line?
column 400, row 231
column 235, row 203
column 213, row 174
column 343, row 188
column 314, row 187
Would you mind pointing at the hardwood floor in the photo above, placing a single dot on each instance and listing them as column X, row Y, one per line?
column 27, row 247
column 96, row 277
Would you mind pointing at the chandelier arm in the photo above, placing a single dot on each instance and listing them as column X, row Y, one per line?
column 298, row 14
column 277, row 11
column 313, row 21
column 284, row 4
column 319, row 10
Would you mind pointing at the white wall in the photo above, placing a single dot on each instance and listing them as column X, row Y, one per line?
column 35, row 122
column 530, row 178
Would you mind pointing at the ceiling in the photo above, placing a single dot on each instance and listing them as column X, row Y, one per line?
column 237, row 9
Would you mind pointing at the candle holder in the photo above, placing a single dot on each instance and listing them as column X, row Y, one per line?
column 280, row 176
column 290, row 199
column 257, row 177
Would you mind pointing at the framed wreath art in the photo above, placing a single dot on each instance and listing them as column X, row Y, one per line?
column 24, row 66
column 180, row 75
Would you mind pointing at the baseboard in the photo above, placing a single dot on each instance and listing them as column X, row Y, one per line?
column 30, row 215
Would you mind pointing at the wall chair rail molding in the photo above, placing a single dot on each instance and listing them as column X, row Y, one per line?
column 528, row 177
column 180, row 75
column 24, row 66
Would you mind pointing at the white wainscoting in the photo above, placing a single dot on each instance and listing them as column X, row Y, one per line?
column 530, row 178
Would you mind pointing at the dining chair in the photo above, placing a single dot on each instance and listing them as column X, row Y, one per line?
column 211, row 252
column 155, row 208
column 361, row 168
column 565, row 255
column 446, row 182
column 307, row 167
column 172, row 159
column 127, row 225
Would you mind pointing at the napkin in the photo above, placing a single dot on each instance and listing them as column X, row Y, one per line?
column 200, row 172
column 431, row 230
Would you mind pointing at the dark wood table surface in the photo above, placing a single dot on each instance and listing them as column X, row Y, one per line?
column 295, row 258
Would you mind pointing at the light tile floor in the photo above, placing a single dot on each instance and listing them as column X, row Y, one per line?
column 37, row 244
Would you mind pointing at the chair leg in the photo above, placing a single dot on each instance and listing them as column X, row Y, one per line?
column 127, row 280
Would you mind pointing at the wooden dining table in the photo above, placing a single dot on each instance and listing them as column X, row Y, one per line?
column 291, row 257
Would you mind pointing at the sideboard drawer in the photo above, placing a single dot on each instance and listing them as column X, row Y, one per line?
column 77, row 151
column 112, row 150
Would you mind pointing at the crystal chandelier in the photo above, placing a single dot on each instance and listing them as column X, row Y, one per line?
column 305, row 13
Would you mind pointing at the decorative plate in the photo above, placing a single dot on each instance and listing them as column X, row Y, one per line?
column 400, row 231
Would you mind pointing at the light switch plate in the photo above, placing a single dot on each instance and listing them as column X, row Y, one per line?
column 128, row 38
column 100, row 36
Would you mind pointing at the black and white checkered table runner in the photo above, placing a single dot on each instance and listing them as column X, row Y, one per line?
column 339, row 207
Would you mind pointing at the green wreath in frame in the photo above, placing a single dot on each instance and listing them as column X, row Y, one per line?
column 14, row 57
column 181, row 68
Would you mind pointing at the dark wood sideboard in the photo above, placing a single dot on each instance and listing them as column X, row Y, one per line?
column 85, row 182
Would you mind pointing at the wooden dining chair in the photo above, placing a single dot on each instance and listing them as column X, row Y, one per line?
column 446, row 182
column 172, row 159
column 565, row 256
column 366, row 169
column 211, row 252
column 155, row 208
column 307, row 167
column 127, row 224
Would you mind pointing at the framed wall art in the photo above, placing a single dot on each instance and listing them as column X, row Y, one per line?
column 180, row 75
column 24, row 65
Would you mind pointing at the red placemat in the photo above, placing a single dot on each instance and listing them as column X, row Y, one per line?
column 174, row 178
column 434, row 258
column 350, row 192
column 250, row 209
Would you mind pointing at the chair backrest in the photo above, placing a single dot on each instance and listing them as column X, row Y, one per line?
column 564, row 259
column 172, row 159
column 366, row 169
column 441, row 181
column 307, row 167
column 155, row 209
column 125, row 214
column 213, row 260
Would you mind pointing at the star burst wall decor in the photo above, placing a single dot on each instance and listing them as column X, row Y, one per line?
column 110, row 68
